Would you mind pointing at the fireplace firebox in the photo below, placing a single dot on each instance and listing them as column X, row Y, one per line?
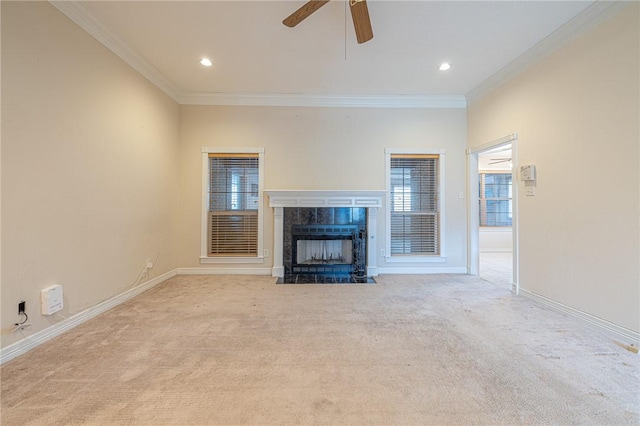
column 322, row 249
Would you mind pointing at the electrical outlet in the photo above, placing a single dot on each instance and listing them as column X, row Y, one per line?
column 21, row 307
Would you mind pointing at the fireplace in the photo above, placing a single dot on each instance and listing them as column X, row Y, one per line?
column 324, row 236
column 325, row 241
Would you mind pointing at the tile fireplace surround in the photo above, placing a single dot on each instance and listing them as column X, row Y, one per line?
column 370, row 199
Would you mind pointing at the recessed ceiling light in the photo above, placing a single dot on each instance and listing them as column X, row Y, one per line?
column 444, row 66
column 206, row 62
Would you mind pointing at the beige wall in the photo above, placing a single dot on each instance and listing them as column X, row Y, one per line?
column 577, row 114
column 321, row 148
column 89, row 171
column 495, row 240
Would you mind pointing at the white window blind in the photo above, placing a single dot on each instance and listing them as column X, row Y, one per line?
column 415, row 209
column 233, row 204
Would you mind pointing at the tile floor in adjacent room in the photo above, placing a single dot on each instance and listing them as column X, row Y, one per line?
column 497, row 268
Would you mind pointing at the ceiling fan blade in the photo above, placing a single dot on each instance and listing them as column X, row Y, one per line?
column 499, row 160
column 303, row 13
column 361, row 21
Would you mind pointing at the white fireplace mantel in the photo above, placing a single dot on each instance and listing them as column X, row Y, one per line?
column 369, row 199
column 325, row 198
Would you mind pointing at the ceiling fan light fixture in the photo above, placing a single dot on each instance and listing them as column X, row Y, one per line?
column 206, row 62
column 444, row 66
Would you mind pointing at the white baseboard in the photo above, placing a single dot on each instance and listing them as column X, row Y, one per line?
column 372, row 271
column 622, row 333
column 424, row 270
column 49, row 333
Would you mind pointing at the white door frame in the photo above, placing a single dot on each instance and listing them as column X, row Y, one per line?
column 473, row 213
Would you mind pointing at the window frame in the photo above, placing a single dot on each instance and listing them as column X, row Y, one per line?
column 204, row 257
column 423, row 258
column 481, row 197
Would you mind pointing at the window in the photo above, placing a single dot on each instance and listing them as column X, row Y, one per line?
column 414, row 204
column 495, row 199
column 232, row 215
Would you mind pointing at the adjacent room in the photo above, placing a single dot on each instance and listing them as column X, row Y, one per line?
column 322, row 212
column 495, row 214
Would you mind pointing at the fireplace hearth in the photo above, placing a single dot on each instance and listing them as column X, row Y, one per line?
column 324, row 279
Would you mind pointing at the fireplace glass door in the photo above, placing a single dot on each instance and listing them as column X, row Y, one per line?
column 321, row 249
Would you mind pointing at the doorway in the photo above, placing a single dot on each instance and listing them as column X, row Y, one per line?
column 493, row 236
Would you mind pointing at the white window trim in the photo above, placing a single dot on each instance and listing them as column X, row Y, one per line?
column 415, row 259
column 204, row 258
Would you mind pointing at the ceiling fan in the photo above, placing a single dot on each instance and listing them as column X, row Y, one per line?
column 499, row 160
column 359, row 13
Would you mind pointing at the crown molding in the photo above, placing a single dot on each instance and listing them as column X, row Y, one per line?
column 81, row 16
column 588, row 19
column 593, row 15
column 309, row 100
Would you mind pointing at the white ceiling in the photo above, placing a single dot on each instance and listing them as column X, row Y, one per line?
column 254, row 53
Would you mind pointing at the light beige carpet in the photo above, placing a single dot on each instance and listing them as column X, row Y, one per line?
column 410, row 350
